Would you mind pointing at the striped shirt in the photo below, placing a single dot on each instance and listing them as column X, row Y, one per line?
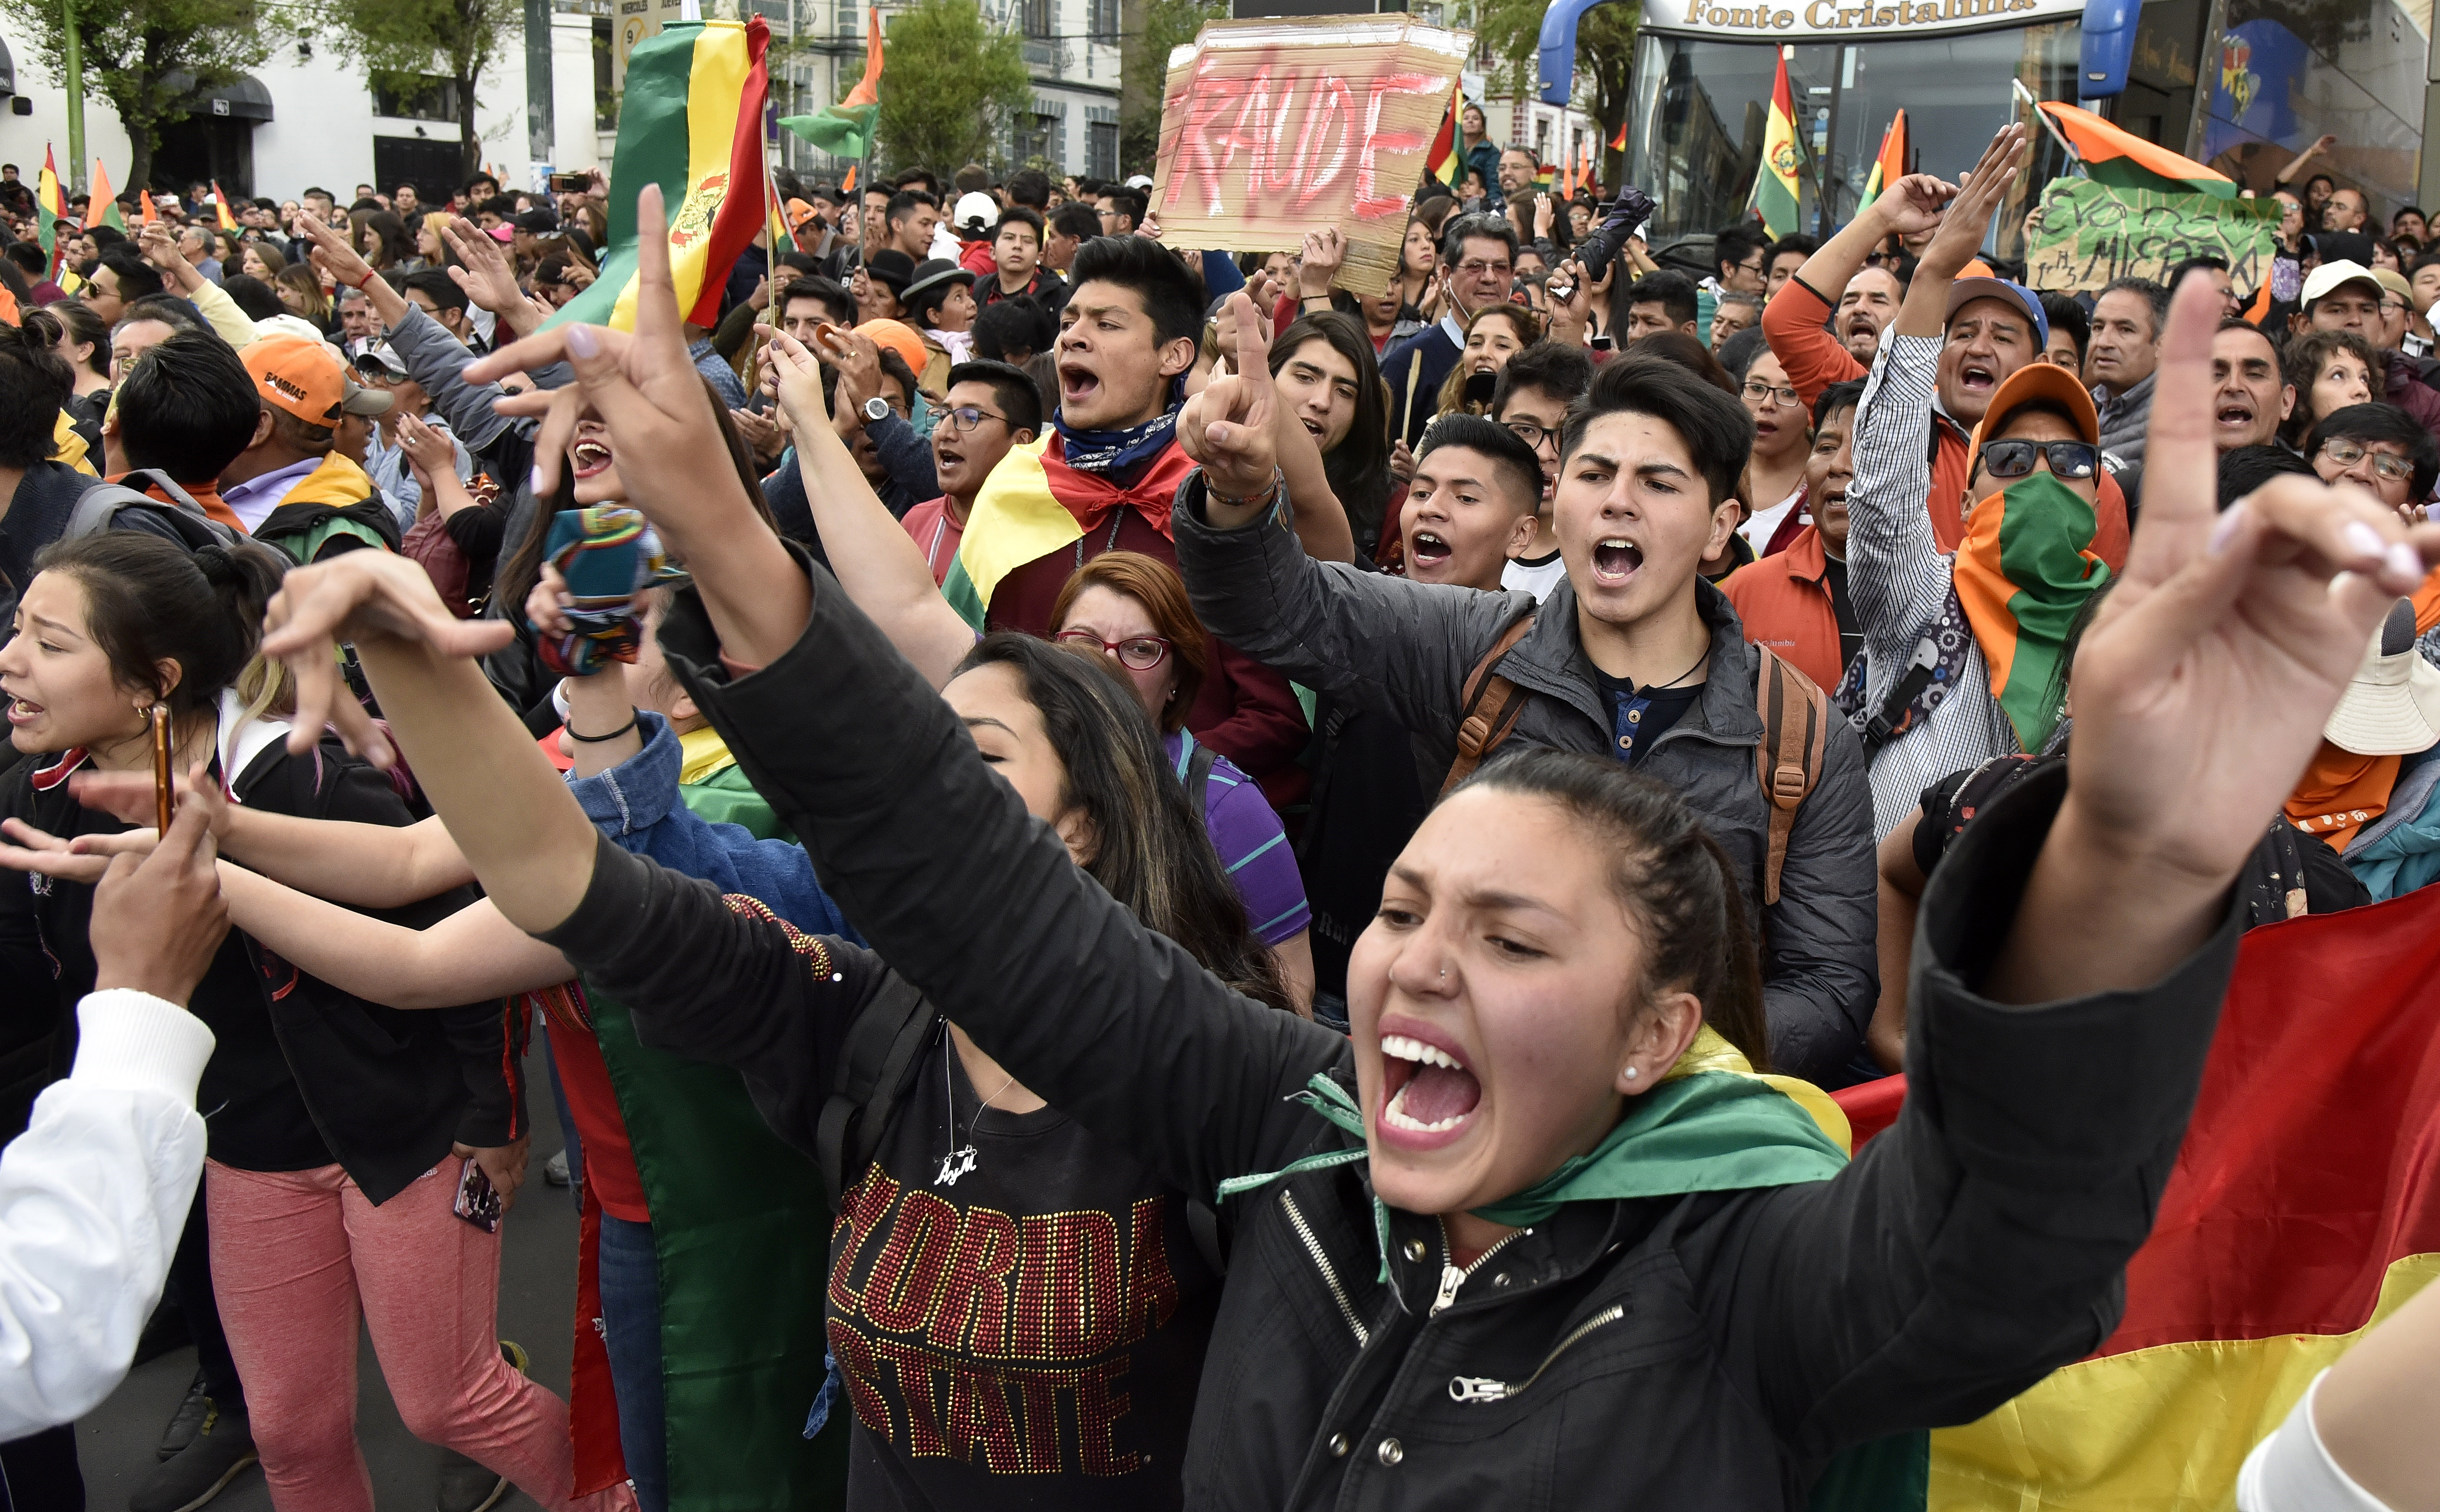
column 1900, row 580
column 1254, row 849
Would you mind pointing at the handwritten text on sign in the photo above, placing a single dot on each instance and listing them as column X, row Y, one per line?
column 2091, row 233
column 1271, row 127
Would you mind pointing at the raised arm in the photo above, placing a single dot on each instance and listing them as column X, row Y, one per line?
column 473, row 955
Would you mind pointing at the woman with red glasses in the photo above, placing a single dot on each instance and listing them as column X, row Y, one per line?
column 1133, row 608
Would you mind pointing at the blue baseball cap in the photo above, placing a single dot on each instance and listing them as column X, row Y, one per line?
column 1965, row 291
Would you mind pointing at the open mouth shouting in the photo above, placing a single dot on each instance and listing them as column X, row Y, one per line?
column 1616, row 559
column 1978, row 378
column 1428, row 1092
column 1078, row 383
column 23, row 712
column 591, row 457
column 2234, row 416
column 1426, row 548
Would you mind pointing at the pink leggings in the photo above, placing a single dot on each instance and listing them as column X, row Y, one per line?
column 295, row 1254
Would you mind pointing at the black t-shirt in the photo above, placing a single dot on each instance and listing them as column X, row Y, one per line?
column 1368, row 797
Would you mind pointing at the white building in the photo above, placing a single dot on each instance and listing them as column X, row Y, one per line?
column 306, row 116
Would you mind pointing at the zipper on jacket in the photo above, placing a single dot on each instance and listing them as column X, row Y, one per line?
column 1453, row 1276
column 1483, row 1389
column 1322, row 1263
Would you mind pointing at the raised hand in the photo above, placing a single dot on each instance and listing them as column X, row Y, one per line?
column 1967, row 219
column 1325, row 253
column 484, row 272
column 1227, row 427
column 361, row 596
column 334, row 255
column 427, row 446
column 1914, row 205
column 2200, row 689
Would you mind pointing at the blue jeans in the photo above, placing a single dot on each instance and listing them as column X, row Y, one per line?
column 631, row 1328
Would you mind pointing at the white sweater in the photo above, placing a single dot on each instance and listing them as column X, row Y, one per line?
column 92, row 1198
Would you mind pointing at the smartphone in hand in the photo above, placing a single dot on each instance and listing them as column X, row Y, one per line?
column 478, row 1201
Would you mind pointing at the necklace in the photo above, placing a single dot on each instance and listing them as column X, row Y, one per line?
column 961, row 1159
column 1651, row 687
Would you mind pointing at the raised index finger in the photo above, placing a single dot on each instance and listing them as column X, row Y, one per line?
column 1253, row 345
column 2180, row 464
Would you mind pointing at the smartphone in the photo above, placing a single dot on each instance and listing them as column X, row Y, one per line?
column 161, row 794
column 478, row 1202
column 1480, row 386
column 570, row 183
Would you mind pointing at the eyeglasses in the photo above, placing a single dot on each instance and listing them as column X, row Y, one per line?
column 2014, row 460
column 1137, row 653
column 1756, row 391
column 1478, row 269
column 2388, row 467
column 1533, row 435
column 966, row 416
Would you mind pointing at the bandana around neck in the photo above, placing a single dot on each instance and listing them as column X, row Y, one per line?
column 1116, row 451
column 2024, row 569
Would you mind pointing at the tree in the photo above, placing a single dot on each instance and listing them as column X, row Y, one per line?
column 1150, row 29
column 949, row 87
column 405, row 43
column 133, row 48
column 1511, row 30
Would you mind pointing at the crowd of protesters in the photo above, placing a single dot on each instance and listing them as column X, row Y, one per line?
column 1476, row 764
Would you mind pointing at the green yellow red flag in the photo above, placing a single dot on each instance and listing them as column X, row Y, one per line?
column 1442, row 162
column 2125, row 161
column 690, row 121
column 1774, row 187
column 1034, row 504
column 220, row 206
column 51, row 208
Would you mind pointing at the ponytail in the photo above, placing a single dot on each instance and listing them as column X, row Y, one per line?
column 150, row 600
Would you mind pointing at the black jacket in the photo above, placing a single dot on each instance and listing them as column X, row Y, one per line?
column 1706, row 1352
column 1404, row 649
column 389, row 1091
column 39, row 512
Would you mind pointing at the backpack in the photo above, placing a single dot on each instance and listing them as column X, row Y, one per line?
column 1788, row 762
column 99, row 508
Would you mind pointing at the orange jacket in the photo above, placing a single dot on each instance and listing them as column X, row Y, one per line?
column 1784, row 604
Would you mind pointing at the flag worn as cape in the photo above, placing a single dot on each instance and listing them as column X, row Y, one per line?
column 845, row 129
column 691, row 121
column 1443, row 163
column 101, row 206
column 2125, row 161
column 1889, row 165
column 2304, row 1209
column 51, row 208
column 1774, row 186
column 221, row 204
column 1032, row 504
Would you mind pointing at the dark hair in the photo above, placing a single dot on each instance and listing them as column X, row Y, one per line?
column 2177, row 274
column 1736, row 354
column 1012, row 390
column 838, row 304
column 1844, row 395
column 1172, row 293
column 1459, row 230
column 1020, row 324
column 1151, row 851
column 253, row 297
column 1736, row 241
column 34, row 382
column 1716, row 429
column 2154, row 295
column 894, row 368
column 2300, row 362
column 1358, row 469
column 436, row 285
column 1675, row 883
column 1564, row 372
column 76, row 322
column 2067, row 313
column 1793, row 241
column 1672, row 290
column 1077, row 219
column 1030, row 187
column 922, row 309
column 1154, row 584
column 170, row 310
column 901, row 205
column 2382, row 422
column 2244, row 469
column 972, row 179
column 1127, row 202
column 1020, row 215
column 188, row 408
column 395, row 243
column 1684, row 350
column 148, row 601
column 29, row 256
column 136, row 278
column 1510, row 457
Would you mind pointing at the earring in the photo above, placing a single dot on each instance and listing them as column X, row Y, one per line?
column 1632, row 1073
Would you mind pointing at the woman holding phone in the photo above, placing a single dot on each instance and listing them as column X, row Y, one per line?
column 344, row 1132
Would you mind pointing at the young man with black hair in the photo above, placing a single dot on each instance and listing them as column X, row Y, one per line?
column 991, row 406
column 1070, row 226
column 116, row 279
column 1477, row 268
column 1634, row 655
column 810, row 300
column 2071, row 331
column 1786, row 255
column 911, row 216
column 1469, row 513
column 1122, row 210
column 1660, row 301
column 185, row 412
column 1536, row 390
column 435, row 293
column 1016, row 262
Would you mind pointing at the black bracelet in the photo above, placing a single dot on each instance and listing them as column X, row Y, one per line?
column 596, row 740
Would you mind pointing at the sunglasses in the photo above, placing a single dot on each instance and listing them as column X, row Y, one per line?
column 1137, row 653
column 2014, row 460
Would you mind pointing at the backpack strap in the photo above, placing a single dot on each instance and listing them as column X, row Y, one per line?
column 1489, row 707
column 98, row 508
column 876, row 1064
column 1788, row 762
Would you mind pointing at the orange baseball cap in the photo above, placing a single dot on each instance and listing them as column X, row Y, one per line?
column 2040, row 382
column 898, row 337
column 307, row 380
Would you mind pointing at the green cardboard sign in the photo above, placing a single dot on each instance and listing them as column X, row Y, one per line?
column 2085, row 234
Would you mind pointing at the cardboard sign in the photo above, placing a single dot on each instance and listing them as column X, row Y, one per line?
column 2085, row 234
column 1270, row 129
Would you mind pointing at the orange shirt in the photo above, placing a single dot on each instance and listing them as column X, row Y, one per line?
column 1784, row 604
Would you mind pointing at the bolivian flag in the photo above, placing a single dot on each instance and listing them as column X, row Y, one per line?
column 1774, row 187
column 1443, row 163
column 51, row 208
column 2305, row 1208
column 692, row 122
column 1889, row 165
column 1034, row 503
column 220, row 206
column 2125, row 161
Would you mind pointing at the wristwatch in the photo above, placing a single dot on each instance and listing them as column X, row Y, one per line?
column 876, row 408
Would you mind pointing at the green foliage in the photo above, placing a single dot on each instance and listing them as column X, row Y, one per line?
column 131, row 47
column 1512, row 31
column 949, row 87
column 403, row 42
column 1143, row 67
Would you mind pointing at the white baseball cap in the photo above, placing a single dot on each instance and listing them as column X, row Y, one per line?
column 975, row 212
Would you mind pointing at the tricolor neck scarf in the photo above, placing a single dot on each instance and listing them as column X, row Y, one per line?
column 1713, row 1126
column 1120, row 450
column 2024, row 569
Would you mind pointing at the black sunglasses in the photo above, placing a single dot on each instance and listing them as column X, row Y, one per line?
column 2014, row 460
